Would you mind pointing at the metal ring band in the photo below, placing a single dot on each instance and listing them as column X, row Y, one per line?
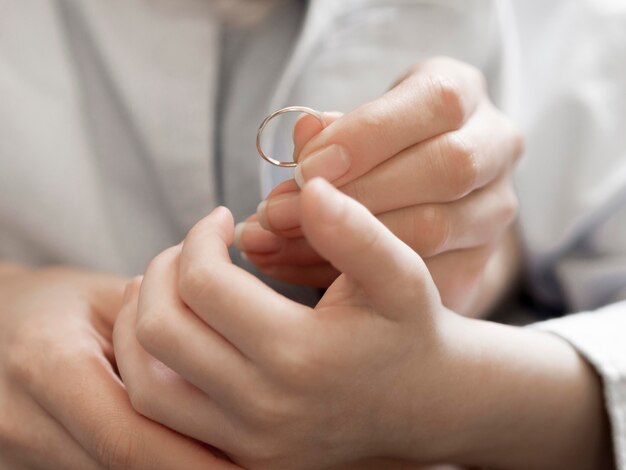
column 291, row 109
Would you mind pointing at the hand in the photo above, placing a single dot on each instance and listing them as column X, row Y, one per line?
column 378, row 369
column 62, row 404
column 432, row 159
column 275, row 384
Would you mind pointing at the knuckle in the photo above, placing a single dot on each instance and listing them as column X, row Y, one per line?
column 264, row 448
column 510, row 204
column 196, row 281
column 138, row 399
column 448, row 102
column 161, row 262
column 434, row 227
column 24, row 354
column 153, row 326
column 372, row 118
column 265, row 410
column 460, row 164
column 295, row 362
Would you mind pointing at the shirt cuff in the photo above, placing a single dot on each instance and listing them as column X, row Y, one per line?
column 600, row 337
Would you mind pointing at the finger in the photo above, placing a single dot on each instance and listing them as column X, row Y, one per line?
column 288, row 186
column 458, row 274
column 477, row 219
column 265, row 247
column 422, row 106
column 94, row 408
column 251, row 238
column 162, row 395
column 442, row 169
column 445, row 168
column 280, row 214
column 39, row 441
column 392, row 275
column 174, row 335
column 307, row 127
column 239, row 306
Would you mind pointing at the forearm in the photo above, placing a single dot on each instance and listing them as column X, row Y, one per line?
column 530, row 402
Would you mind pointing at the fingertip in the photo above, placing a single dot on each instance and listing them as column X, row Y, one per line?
column 223, row 218
column 239, row 228
column 261, row 215
column 321, row 202
column 222, row 213
column 132, row 289
column 307, row 127
column 297, row 176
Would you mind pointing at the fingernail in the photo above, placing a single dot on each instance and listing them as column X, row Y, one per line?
column 329, row 163
column 239, row 228
column 252, row 238
column 280, row 212
column 261, row 214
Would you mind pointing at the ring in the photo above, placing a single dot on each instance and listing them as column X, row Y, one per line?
column 291, row 109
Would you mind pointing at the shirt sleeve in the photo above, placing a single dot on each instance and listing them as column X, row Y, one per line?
column 600, row 336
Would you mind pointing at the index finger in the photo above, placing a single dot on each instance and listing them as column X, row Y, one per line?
column 437, row 98
column 247, row 312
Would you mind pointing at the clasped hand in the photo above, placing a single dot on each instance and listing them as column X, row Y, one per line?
column 208, row 350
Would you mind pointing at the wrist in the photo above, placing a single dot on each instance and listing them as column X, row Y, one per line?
column 526, row 400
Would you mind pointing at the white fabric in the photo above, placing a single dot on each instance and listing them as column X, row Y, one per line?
column 572, row 183
column 107, row 121
column 105, row 129
column 599, row 336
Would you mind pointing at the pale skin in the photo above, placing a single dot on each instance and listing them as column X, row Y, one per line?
column 62, row 404
column 379, row 369
column 432, row 159
column 428, row 215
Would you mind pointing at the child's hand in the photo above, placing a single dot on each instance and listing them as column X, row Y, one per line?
column 378, row 369
column 432, row 159
column 275, row 384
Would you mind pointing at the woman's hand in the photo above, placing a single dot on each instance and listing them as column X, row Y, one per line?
column 432, row 159
column 380, row 368
column 61, row 402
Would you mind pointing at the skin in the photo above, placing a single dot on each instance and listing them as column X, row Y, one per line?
column 380, row 368
column 434, row 227
column 432, row 159
column 63, row 406
column 496, row 203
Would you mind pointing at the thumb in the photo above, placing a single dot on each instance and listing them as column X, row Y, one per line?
column 307, row 127
column 393, row 277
